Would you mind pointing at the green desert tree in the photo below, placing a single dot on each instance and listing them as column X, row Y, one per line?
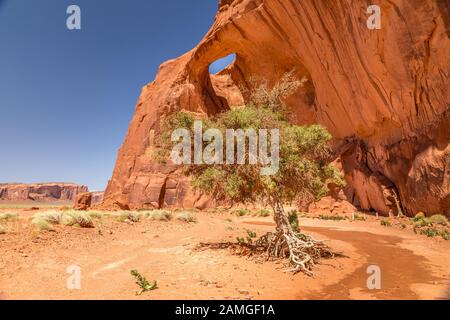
column 302, row 176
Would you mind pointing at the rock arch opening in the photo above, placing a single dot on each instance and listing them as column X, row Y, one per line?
column 221, row 64
column 222, row 83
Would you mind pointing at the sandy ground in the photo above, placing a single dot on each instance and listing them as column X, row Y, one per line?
column 33, row 264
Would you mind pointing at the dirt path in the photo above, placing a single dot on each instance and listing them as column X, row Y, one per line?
column 33, row 266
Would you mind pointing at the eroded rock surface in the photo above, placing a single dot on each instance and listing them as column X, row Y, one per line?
column 383, row 94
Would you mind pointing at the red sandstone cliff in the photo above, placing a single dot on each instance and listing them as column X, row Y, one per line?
column 40, row 191
column 383, row 94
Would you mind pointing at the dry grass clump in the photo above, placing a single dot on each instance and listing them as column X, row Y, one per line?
column 7, row 216
column 45, row 220
column 78, row 219
column 158, row 215
column 186, row 216
column 42, row 224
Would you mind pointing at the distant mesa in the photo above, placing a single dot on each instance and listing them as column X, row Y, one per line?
column 43, row 192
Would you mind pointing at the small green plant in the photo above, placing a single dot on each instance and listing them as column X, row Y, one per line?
column 8, row 216
column 250, row 236
column 187, row 217
column 430, row 232
column 240, row 240
column 385, row 223
column 143, row 283
column 293, row 219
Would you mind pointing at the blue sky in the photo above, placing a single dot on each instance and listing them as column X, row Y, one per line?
column 67, row 97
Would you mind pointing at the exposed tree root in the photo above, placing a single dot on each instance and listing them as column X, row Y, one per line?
column 302, row 251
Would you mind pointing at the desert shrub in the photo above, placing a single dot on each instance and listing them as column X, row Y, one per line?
column 357, row 217
column 42, row 224
column 421, row 223
column 143, row 283
column 82, row 219
column 52, row 217
column 419, row 216
column 242, row 212
column 127, row 216
column 264, row 213
column 186, row 217
column 95, row 214
column 251, row 234
column 293, row 219
column 331, row 217
column 429, row 232
column 77, row 218
column 385, row 223
column 8, row 216
column 439, row 219
column 159, row 215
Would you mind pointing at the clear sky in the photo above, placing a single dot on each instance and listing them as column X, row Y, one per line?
column 67, row 97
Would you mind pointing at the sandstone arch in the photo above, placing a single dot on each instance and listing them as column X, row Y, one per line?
column 382, row 93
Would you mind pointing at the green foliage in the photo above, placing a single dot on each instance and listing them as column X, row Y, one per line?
column 332, row 217
column 263, row 213
column 241, row 212
column 251, row 234
column 304, row 168
column 430, row 232
column 143, row 283
column 439, row 219
column 419, row 216
column 293, row 219
column 385, row 222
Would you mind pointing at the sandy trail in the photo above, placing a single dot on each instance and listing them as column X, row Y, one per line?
column 33, row 266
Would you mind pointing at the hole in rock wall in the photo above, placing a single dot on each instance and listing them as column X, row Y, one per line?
column 221, row 64
column 225, row 89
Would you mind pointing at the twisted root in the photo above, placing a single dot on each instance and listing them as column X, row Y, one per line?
column 302, row 251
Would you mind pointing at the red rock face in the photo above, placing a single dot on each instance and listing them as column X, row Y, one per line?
column 383, row 94
column 41, row 191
